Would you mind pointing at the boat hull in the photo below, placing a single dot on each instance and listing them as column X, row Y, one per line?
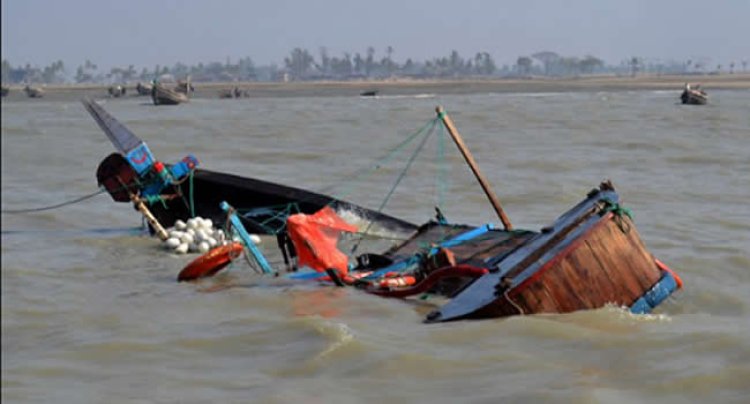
column 693, row 97
column 165, row 96
column 592, row 256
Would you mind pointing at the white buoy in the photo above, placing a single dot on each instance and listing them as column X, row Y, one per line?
column 176, row 234
column 182, row 248
column 203, row 247
column 255, row 238
column 187, row 238
column 180, row 225
column 172, row 243
column 208, row 223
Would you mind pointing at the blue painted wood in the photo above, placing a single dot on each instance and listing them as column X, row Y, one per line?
column 413, row 260
column 245, row 237
column 656, row 295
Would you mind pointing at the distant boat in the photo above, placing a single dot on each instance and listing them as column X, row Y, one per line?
column 116, row 91
column 233, row 93
column 33, row 92
column 369, row 93
column 4, row 91
column 185, row 86
column 143, row 89
column 693, row 95
column 166, row 96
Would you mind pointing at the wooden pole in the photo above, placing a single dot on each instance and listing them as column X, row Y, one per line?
column 474, row 167
column 141, row 206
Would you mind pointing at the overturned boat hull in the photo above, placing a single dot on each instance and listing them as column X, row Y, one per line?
column 590, row 257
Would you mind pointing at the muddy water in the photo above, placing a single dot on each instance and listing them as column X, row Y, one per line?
column 91, row 311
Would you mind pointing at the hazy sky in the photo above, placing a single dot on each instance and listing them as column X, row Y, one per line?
column 150, row 32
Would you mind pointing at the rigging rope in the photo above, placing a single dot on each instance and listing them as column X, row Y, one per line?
column 59, row 205
column 398, row 180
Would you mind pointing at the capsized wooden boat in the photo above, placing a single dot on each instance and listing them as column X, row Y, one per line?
column 162, row 95
column 591, row 256
column 183, row 191
column 235, row 92
column 693, row 95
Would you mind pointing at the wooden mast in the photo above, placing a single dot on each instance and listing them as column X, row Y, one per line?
column 474, row 167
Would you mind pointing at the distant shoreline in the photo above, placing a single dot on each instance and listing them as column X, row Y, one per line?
column 438, row 86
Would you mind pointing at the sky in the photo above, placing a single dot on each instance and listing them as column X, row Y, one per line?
column 146, row 33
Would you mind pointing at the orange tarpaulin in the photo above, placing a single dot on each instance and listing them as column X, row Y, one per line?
column 315, row 237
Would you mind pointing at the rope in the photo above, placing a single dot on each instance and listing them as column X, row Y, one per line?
column 192, row 204
column 619, row 211
column 398, row 181
column 59, row 205
column 367, row 171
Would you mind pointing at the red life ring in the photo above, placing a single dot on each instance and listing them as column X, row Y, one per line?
column 211, row 262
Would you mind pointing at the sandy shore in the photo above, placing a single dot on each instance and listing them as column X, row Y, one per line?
column 458, row 86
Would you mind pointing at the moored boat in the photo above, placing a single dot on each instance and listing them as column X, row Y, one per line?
column 33, row 92
column 116, row 91
column 693, row 95
column 162, row 95
column 143, row 89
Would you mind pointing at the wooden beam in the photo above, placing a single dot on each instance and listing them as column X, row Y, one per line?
column 474, row 167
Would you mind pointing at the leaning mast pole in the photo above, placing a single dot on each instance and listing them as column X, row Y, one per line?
column 474, row 167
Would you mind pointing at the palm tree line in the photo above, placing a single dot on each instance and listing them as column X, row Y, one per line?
column 302, row 65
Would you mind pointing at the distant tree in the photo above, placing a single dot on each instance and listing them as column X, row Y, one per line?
column 589, row 63
column 548, row 59
column 635, row 66
column 359, row 63
column 524, row 65
column 484, row 64
column 731, row 68
column 325, row 61
column 85, row 73
column 370, row 61
column 389, row 61
column 5, row 71
column 744, row 65
column 299, row 62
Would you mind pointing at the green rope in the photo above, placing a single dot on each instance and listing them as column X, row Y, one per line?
column 616, row 208
column 192, row 202
column 362, row 174
column 619, row 211
column 398, row 180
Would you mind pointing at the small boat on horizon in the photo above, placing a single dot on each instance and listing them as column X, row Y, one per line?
column 162, row 95
column 143, row 89
column 33, row 92
column 369, row 93
column 693, row 95
column 116, row 91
